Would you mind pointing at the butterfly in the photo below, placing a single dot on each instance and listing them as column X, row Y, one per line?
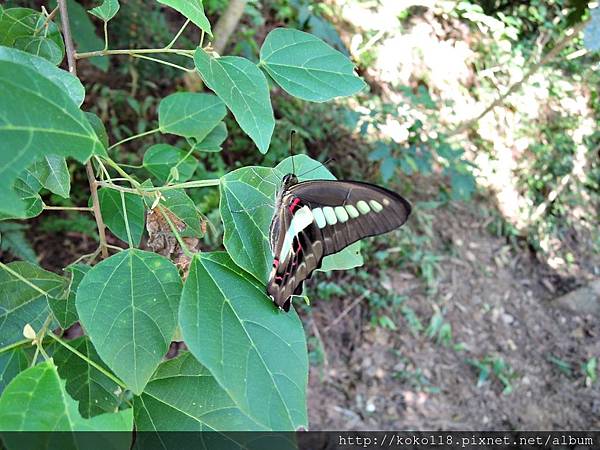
column 317, row 218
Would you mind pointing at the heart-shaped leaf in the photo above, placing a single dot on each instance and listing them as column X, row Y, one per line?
column 256, row 353
column 308, row 68
column 205, row 407
column 12, row 363
column 127, row 305
column 244, row 89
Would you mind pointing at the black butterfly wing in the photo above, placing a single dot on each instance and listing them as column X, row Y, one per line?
column 321, row 217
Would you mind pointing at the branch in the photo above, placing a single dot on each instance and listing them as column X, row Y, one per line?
column 549, row 56
column 72, row 61
column 227, row 23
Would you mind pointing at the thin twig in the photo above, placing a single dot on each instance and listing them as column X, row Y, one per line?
column 67, row 208
column 549, row 56
column 70, row 50
column 160, row 61
column 346, row 311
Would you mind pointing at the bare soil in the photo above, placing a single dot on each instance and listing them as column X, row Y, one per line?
column 497, row 300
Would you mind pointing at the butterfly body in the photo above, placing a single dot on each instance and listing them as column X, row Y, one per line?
column 317, row 218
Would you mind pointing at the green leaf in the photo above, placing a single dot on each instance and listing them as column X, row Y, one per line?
column 205, row 407
column 127, row 305
column 84, row 33
column 12, row 363
column 14, row 240
column 64, row 308
column 52, row 173
column 255, row 352
column 212, row 142
column 107, row 10
column 27, row 190
column 160, row 158
column 308, row 68
column 111, row 207
column 191, row 9
column 244, row 89
column 40, row 46
column 36, row 400
column 17, row 23
column 39, row 119
column 190, row 114
column 180, row 204
column 98, row 127
column 247, row 207
column 63, row 79
column 95, row 392
column 20, row 303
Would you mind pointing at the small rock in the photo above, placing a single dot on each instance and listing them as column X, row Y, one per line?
column 370, row 407
column 507, row 318
column 470, row 256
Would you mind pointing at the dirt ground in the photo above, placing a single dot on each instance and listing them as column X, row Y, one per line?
column 498, row 303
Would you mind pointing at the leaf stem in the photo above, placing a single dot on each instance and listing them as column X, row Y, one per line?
column 160, row 61
column 88, row 360
column 14, row 345
column 105, row 35
column 130, row 51
column 129, row 240
column 68, row 208
column 23, row 279
column 170, row 44
column 135, row 136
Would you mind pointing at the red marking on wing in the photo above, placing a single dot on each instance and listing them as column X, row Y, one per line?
column 293, row 205
column 276, row 263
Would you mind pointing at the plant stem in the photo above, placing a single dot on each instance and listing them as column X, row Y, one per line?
column 170, row 44
column 105, row 35
column 23, row 279
column 14, row 345
column 71, row 58
column 67, row 208
column 129, row 240
column 130, row 51
column 160, row 61
column 187, row 184
column 135, row 136
column 88, row 360
column 187, row 155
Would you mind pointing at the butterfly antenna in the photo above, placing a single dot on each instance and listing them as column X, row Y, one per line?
column 292, row 150
column 316, row 167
